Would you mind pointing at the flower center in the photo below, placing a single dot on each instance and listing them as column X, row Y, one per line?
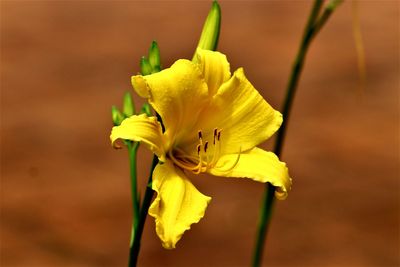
column 207, row 156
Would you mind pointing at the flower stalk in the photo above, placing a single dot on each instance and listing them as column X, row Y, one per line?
column 137, row 236
column 314, row 24
column 149, row 65
column 132, row 150
column 128, row 109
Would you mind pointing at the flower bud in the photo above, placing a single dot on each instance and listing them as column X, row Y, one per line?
column 145, row 67
column 128, row 106
column 116, row 115
column 154, row 57
column 332, row 4
column 210, row 34
column 146, row 109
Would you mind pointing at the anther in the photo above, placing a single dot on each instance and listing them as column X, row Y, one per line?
column 215, row 135
column 198, row 149
column 219, row 135
column 200, row 135
column 205, row 146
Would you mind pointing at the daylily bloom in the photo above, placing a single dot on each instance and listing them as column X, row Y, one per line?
column 213, row 122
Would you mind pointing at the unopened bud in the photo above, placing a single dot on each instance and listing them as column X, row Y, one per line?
column 154, row 57
column 210, row 34
column 116, row 115
column 146, row 109
column 145, row 67
column 128, row 106
column 332, row 4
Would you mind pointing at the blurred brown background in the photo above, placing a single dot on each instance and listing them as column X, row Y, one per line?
column 65, row 195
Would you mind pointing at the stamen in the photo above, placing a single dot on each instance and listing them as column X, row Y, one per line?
column 233, row 165
column 217, row 151
column 200, row 153
column 185, row 157
column 207, row 164
column 199, row 166
column 198, row 149
column 181, row 164
column 202, row 162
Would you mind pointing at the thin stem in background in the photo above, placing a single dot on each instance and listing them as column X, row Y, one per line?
column 358, row 41
column 312, row 28
column 295, row 74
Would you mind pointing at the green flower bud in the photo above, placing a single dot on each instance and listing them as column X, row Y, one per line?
column 128, row 105
column 210, row 34
column 156, row 69
column 146, row 109
column 154, row 57
column 116, row 115
column 332, row 4
column 145, row 67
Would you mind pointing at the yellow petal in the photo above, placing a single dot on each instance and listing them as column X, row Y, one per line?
column 141, row 128
column 245, row 118
column 177, row 94
column 215, row 69
column 256, row 164
column 178, row 203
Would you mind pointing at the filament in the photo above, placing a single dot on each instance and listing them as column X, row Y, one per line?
column 201, row 162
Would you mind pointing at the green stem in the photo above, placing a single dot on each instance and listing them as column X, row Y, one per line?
column 265, row 218
column 312, row 28
column 295, row 75
column 135, row 247
column 146, row 67
column 132, row 149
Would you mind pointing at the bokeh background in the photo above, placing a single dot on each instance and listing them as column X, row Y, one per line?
column 65, row 195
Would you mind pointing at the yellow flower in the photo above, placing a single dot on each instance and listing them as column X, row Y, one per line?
column 213, row 122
